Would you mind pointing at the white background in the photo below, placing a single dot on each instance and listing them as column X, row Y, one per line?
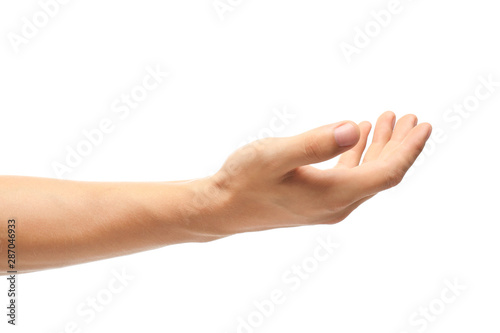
column 226, row 76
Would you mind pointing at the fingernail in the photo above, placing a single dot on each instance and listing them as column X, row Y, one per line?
column 346, row 135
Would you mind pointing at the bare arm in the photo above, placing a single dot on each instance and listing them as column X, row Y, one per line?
column 61, row 222
column 266, row 184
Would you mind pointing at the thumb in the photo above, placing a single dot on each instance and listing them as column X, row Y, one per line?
column 318, row 145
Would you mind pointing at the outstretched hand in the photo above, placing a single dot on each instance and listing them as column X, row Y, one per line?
column 266, row 184
column 270, row 183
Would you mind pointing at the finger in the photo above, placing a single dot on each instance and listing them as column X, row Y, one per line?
column 317, row 145
column 371, row 178
column 407, row 151
column 403, row 126
column 381, row 135
column 351, row 158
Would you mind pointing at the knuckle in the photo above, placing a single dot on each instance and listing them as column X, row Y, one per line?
column 262, row 145
column 260, row 152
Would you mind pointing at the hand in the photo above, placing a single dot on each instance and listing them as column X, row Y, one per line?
column 270, row 182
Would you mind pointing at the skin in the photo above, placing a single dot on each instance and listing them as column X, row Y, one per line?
column 267, row 184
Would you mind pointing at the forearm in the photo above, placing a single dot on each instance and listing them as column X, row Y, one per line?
column 61, row 223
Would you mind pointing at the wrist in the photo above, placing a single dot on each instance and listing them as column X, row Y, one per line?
column 205, row 208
